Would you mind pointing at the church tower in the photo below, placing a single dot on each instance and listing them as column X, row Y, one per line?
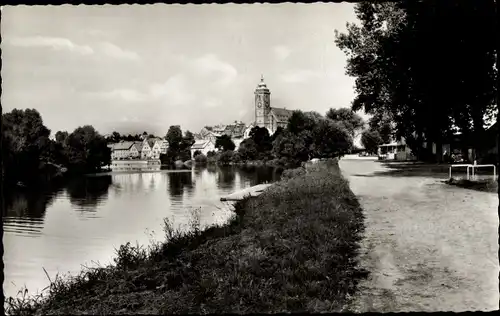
column 262, row 104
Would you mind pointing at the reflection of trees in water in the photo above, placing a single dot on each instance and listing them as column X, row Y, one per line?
column 177, row 181
column 212, row 168
column 87, row 192
column 30, row 203
column 226, row 176
column 256, row 175
column 197, row 171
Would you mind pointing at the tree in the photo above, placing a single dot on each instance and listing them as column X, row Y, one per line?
column 87, row 150
column 26, row 144
column 61, row 137
column 174, row 137
column 225, row 157
column 262, row 140
column 331, row 139
column 200, row 159
column 348, row 118
column 224, row 143
column 116, row 137
column 248, row 150
column 371, row 140
column 276, row 133
column 389, row 79
column 196, row 153
column 290, row 147
column 383, row 125
column 188, row 140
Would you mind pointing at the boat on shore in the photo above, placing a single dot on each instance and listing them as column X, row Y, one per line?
column 135, row 165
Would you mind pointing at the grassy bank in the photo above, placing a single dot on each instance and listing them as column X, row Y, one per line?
column 291, row 249
column 480, row 185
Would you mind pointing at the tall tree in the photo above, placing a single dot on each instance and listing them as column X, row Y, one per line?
column 87, row 150
column 348, row 118
column 224, row 143
column 174, row 136
column 262, row 140
column 371, row 140
column 26, row 143
column 426, row 91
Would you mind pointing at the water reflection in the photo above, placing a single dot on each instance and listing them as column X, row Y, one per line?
column 86, row 193
column 178, row 182
column 112, row 209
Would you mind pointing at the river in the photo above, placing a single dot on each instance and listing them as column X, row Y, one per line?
column 83, row 221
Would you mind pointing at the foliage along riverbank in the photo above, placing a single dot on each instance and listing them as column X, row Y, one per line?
column 291, row 249
column 31, row 158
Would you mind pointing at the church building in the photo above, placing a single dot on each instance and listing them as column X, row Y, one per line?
column 265, row 115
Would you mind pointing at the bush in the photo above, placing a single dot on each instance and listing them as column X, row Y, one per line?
column 293, row 173
column 200, row 159
column 236, row 158
column 225, row 157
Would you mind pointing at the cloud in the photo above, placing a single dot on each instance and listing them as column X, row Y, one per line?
column 210, row 103
column 128, row 95
column 281, row 52
column 174, row 91
column 57, row 43
column 299, row 76
column 114, row 51
column 210, row 64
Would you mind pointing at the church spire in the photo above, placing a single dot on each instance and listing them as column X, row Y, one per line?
column 261, row 78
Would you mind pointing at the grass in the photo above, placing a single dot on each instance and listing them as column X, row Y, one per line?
column 291, row 249
column 479, row 185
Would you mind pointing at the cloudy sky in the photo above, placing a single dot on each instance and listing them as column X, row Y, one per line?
column 136, row 68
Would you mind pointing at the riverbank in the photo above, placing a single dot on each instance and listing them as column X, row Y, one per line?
column 293, row 248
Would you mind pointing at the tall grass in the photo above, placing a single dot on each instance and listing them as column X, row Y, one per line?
column 291, row 249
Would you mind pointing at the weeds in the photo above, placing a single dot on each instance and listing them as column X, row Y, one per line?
column 291, row 249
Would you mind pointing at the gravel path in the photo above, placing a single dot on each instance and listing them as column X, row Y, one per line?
column 428, row 246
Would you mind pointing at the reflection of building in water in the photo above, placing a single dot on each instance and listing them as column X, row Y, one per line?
column 206, row 183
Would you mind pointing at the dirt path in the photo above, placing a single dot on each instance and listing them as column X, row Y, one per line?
column 428, row 246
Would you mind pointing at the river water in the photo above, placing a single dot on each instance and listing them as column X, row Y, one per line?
column 83, row 221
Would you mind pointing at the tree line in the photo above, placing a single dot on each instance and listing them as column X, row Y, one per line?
column 307, row 135
column 28, row 152
column 419, row 66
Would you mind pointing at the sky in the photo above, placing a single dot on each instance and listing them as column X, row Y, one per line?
column 134, row 68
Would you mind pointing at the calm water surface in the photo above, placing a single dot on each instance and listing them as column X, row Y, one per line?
column 82, row 222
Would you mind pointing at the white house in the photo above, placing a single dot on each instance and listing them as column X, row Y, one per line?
column 125, row 150
column 156, row 147
column 163, row 146
column 204, row 146
column 146, row 149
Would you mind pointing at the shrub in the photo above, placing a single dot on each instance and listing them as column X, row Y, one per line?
column 236, row 157
column 200, row 159
column 225, row 157
column 292, row 173
column 196, row 153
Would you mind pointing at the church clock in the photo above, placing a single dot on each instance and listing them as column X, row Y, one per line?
column 262, row 104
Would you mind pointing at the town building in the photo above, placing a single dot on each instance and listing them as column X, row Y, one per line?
column 126, row 150
column 204, row 146
column 150, row 148
column 265, row 115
